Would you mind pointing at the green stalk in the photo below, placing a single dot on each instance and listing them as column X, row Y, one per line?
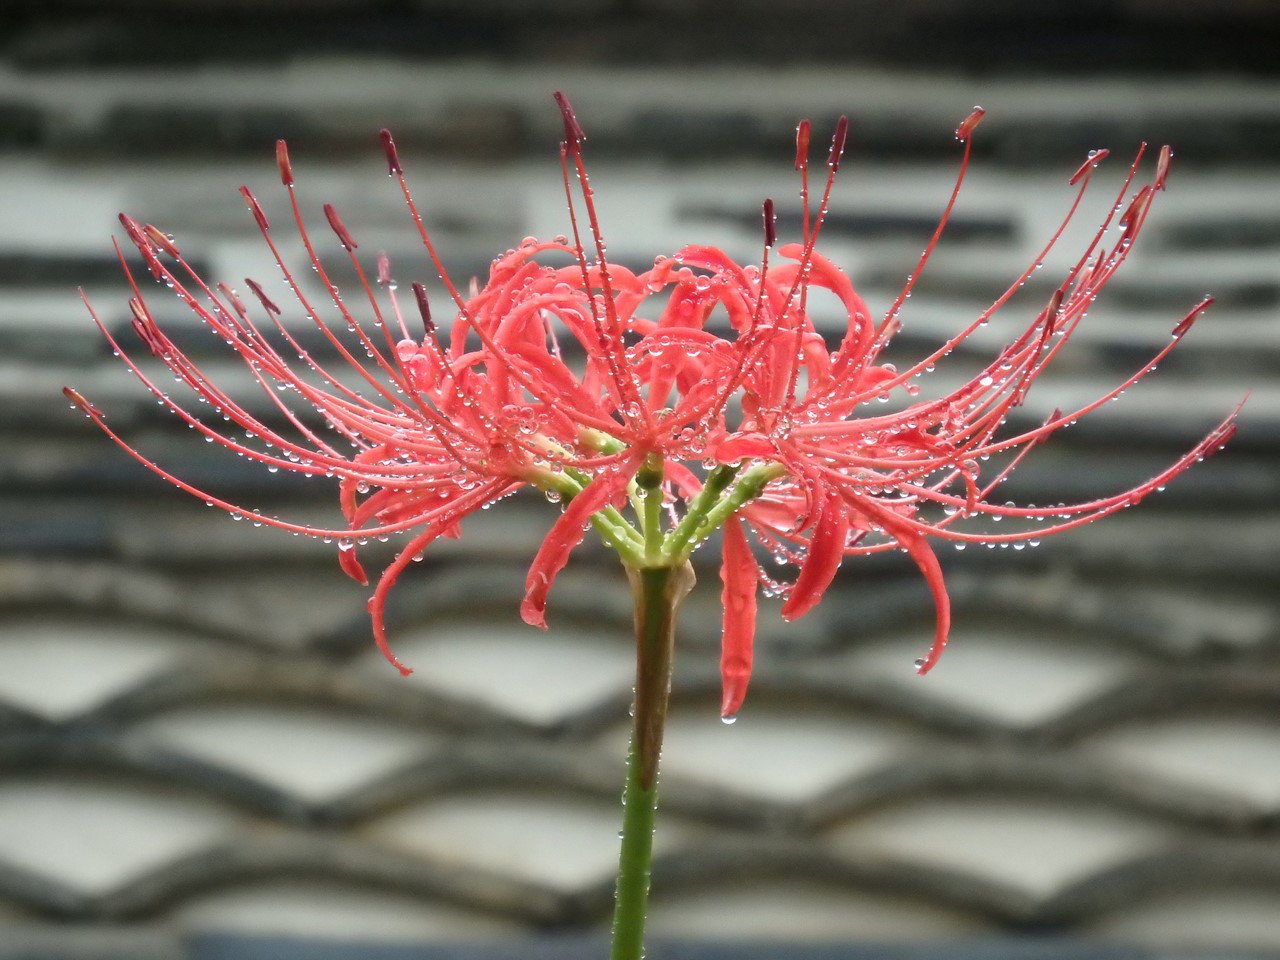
column 713, row 506
column 657, row 592
column 678, row 540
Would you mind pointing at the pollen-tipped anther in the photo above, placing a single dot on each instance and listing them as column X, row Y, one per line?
column 770, row 224
column 1185, row 323
column 1052, row 309
column 134, row 231
column 343, row 237
column 1137, row 208
column 1046, row 432
column 160, row 240
column 1162, row 166
column 389, row 148
column 252, row 203
column 1220, row 436
column 968, row 123
column 145, row 329
column 231, row 298
column 802, row 144
column 80, row 402
column 1094, row 158
column 837, row 143
column 572, row 129
column 424, row 308
column 262, row 297
column 282, row 161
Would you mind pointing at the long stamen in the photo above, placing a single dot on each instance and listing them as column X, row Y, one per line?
column 633, row 409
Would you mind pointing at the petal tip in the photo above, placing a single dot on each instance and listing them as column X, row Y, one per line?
column 534, row 613
column 735, row 691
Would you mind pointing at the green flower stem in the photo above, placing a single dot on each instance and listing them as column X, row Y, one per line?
column 704, row 517
column 717, row 480
column 649, row 483
column 612, row 526
column 617, row 533
column 599, row 440
column 749, row 486
column 657, row 592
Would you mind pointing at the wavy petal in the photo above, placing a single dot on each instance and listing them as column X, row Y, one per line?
column 350, row 564
column 565, row 534
column 739, row 574
column 917, row 547
column 822, row 560
column 378, row 602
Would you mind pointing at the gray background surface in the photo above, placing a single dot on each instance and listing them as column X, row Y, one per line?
column 202, row 756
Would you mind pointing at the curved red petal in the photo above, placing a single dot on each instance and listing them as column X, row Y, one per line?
column 822, row 560
column 917, row 547
column 739, row 574
column 349, row 563
column 378, row 602
column 565, row 534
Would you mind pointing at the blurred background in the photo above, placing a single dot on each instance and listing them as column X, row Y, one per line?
column 201, row 755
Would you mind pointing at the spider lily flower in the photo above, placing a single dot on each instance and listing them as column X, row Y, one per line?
column 847, row 482
column 625, row 397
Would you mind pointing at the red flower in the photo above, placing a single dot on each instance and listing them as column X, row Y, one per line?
column 606, row 388
column 855, row 483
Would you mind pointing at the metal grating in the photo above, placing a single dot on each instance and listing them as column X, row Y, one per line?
column 199, row 748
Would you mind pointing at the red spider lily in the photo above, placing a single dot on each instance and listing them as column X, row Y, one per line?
column 853, row 484
column 605, row 388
